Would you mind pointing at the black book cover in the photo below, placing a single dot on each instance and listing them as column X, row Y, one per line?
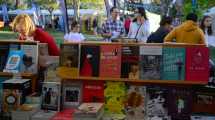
column 4, row 48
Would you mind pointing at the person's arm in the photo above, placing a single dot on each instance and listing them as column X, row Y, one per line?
column 170, row 36
column 130, row 31
column 104, row 32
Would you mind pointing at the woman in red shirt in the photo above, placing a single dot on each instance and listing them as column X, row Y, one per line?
column 27, row 30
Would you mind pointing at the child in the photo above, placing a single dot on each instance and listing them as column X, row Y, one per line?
column 74, row 35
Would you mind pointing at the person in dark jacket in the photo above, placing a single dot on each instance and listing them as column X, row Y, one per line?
column 159, row 35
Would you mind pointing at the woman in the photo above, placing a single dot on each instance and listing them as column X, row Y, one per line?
column 74, row 35
column 28, row 31
column 206, row 26
column 139, row 28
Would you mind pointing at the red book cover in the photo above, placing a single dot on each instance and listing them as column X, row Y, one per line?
column 93, row 91
column 63, row 115
column 197, row 64
column 110, row 61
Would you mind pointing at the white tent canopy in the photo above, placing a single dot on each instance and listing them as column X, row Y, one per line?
column 82, row 12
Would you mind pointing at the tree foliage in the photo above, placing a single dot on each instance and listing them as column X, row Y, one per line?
column 50, row 5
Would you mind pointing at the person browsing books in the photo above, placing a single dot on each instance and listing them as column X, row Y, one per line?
column 27, row 30
column 74, row 35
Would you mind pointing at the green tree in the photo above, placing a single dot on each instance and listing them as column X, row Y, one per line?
column 50, row 5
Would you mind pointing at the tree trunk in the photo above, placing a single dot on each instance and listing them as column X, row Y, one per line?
column 76, row 6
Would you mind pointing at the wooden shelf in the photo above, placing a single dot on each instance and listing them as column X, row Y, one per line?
column 22, row 74
column 164, row 82
column 14, row 41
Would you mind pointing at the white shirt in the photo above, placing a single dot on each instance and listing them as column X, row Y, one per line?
column 210, row 39
column 74, row 37
column 143, row 32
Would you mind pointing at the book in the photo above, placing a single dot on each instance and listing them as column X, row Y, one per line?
column 43, row 49
column 72, row 94
column 179, row 102
column 93, row 91
column 135, row 102
column 203, row 97
column 51, row 96
column 4, row 48
column 211, row 81
column 69, row 59
column 130, row 62
column 110, row 61
column 150, row 62
column 173, row 63
column 14, row 47
column 202, row 117
column 65, row 114
column 2, row 79
column 156, row 101
column 90, row 60
column 43, row 115
column 89, row 111
column 30, row 59
column 197, row 64
column 14, row 61
column 51, row 69
column 115, row 93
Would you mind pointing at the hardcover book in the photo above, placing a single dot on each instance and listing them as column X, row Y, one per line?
column 173, row 63
column 4, row 48
column 69, row 59
column 115, row 93
column 14, row 61
column 130, row 62
column 51, row 96
column 150, row 62
column 197, row 64
column 93, row 91
column 30, row 59
column 90, row 60
column 179, row 102
column 72, row 94
column 110, row 61
column 135, row 102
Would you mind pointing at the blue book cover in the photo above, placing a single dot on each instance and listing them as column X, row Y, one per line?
column 173, row 63
column 14, row 61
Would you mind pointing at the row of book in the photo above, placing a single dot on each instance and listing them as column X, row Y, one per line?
column 15, row 57
column 135, row 62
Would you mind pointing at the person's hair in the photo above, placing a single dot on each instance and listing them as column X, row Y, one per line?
column 202, row 25
column 26, row 21
column 111, row 10
column 74, row 24
column 142, row 12
column 166, row 20
column 192, row 16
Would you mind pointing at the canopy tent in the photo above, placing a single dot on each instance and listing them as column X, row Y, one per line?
column 82, row 12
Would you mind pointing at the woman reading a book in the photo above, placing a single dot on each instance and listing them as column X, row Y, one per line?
column 28, row 31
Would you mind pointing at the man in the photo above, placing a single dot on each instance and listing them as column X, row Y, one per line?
column 187, row 32
column 113, row 27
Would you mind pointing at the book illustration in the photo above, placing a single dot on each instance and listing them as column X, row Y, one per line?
column 150, row 62
column 30, row 58
column 89, row 62
column 197, row 64
column 93, row 91
column 51, row 69
column 173, row 64
column 72, row 92
column 110, row 61
column 3, row 56
column 115, row 93
column 51, row 96
column 156, row 103
column 14, row 61
column 130, row 62
column 135, row 102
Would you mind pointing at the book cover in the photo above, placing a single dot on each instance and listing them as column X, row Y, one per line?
column 156, row 101
column 65, row 114
column 211, row 81
column 51, row 69
column 51, row 96
column 130, row 62
column 90, row 60
column 43, row 115
column 4, row 48
column 14, row 61
column 110, row 61
column 197, row 64
column 150, row 62
column 69, row 59
column 202, row 117
column 30, row 59
column 203, row 97
column 173, row 63
column 179, row 102
column 14, row 46
column 93, row 91
column 2, row 79
column 72, row 94
column 135, row 102
column 115, row 93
